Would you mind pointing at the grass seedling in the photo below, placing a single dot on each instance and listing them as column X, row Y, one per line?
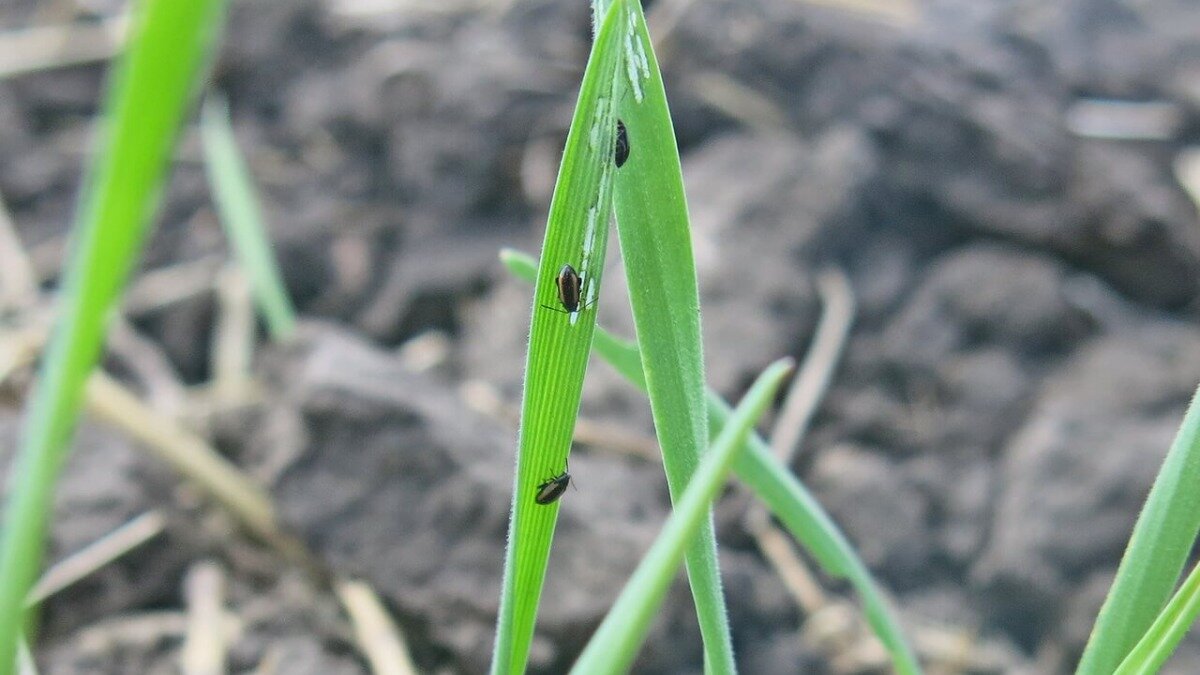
column 655, row 241
column 775, row 485
column 149, row 94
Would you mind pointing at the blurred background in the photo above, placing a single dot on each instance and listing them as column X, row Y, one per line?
column 998, row 194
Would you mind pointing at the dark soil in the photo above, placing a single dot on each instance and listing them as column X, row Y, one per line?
column 1025, row 344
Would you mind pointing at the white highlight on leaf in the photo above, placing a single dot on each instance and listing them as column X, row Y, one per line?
column 643, row 62
column 585, row 265
column 632, row 61
column 589, row 237
column 594, row 130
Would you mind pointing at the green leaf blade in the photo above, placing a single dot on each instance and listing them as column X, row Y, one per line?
column 559, row 344
column 804, row 518
column 780, row 490
column 241, row 216
column 148, row 97
column 1167, row 631
column 655, row 236
column 1158, row 548
column 615, row 644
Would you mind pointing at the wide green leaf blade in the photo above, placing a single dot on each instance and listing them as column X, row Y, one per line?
column 773, row 483
column 559, row 343
column 615, row 644
column 148, row 97
column 1162, row 539
column 656, row 247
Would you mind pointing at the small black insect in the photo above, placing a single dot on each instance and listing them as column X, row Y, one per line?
column 621, row 154
column 570, row 290
column 549, row 491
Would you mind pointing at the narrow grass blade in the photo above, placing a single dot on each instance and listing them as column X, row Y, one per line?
column 148, row 97
column 773, row 483
column 615, row 644
column 1162, row 539
column 803, row 516
column 237, row 202
column 1156, row 646
column 656, row 246
column 559, row 343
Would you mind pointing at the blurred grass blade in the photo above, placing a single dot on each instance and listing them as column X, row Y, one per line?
column 656, row 246
column 1162, row 539
column 615, row 644
column 241, row 215
column 559, row 344
column 147, row 99
column 1156, row 646
column 776, row 486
